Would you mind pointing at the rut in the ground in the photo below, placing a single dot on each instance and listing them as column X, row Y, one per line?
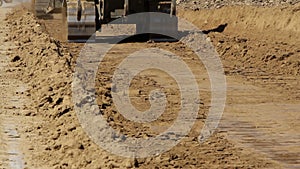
column 10, row 104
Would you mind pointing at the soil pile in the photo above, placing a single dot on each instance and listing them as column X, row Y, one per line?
column 258, row 43
column 213, row 4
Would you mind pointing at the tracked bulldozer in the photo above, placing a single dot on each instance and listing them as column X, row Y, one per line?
column 92, row 17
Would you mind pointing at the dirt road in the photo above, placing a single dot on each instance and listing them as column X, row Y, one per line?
column 259, row 129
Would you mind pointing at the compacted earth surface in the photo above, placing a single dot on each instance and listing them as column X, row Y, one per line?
column 258, row 44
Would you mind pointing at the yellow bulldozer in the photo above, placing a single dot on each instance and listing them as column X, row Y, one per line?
column 86, row 17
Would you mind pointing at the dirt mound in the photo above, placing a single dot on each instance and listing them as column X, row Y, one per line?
column 256, row 39
column 46, row 65
column 214, row 4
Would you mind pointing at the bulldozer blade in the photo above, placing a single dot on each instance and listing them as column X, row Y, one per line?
column 115, row 31
column 81, row 22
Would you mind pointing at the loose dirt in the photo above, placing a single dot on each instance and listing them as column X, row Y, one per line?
column 259, row 128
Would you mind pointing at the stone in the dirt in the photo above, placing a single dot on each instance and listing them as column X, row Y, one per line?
column 16, row 58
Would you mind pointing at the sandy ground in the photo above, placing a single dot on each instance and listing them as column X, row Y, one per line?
column 260, row 52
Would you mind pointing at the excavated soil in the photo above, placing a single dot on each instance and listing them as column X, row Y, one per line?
column 259, row 48
column 216, row 4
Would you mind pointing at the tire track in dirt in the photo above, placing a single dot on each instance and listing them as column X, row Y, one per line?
column 10, row 105
column 260, row 119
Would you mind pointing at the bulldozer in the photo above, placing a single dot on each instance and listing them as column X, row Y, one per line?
column 86, row 18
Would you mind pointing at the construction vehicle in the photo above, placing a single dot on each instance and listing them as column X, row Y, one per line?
column 85, row 17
